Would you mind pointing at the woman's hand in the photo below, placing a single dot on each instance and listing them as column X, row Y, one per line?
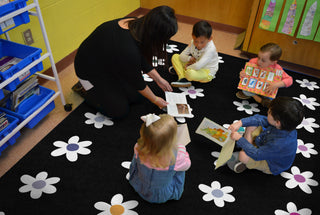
column 160, row 102
column 162, row 83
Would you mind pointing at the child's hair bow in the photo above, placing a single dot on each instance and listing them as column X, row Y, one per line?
column 150, row 118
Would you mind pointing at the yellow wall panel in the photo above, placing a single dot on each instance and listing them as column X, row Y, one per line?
column 230, row 12
column 69, row 22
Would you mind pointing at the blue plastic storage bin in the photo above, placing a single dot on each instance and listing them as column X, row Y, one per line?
column 1, row 94
column 13, row 122
column 31, row 104
column 27, row 53
column 15, row 21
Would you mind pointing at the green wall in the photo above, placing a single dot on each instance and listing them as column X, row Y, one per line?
column 69, row 22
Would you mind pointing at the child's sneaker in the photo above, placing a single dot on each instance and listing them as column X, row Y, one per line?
column 233, row 160
column 241, row 95
column 183, row 82
column 78, row 88
column 239, row 167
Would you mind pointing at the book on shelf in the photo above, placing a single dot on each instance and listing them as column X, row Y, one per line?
column 3, row 2
column 257, row 79
column 6, row 62
column 25, row 90
column 3, row 121
column 178, row 106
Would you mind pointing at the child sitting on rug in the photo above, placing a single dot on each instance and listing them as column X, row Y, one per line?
column 199, row 61
column 268, row 56
column 273, row 150
column 157, row 170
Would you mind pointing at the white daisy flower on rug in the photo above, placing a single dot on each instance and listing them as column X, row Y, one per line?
column 244, row 105
column 98, row 120
column 220, row 60
column 303, row 179
column 72, row 148
column 241, row 129
column 117, row 206
column 309, row 102
column 311, row 85
column 38, row 185
column 216, row 155
column 306, row 149
column 126, row 165
column 293, row 210
column 171, row 48
column 147, row 78
column 2, row 213
column 217, row 193
column 308, row 124
column 192, row 92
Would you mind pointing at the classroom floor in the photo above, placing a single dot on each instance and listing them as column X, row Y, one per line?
column 223, row 40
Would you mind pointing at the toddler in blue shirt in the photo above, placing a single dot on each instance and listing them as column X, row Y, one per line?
column 269, row 143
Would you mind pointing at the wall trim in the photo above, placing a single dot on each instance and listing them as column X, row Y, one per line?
column 69, row 59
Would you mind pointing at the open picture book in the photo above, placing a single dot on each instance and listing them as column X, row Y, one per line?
column 178, row 106
column 219, row 135
column 258, row 79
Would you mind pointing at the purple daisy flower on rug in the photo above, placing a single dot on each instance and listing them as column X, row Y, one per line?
column 302, row 179
column 293, row 210
column 192, row 92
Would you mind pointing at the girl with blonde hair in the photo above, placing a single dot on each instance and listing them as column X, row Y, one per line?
column 157, row 170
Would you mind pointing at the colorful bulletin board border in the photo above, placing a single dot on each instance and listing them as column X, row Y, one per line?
column 257, row 79
column 291, row 16
column 270, row 15
column 310, row 20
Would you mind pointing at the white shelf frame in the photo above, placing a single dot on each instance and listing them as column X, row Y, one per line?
column 48, row 54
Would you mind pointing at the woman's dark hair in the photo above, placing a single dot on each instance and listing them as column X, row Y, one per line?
column 288, row 111
column 154, row 30
column 202, row 28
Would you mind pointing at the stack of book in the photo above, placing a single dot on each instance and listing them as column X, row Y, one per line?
column 24, row 91
column 3, row 121
column 7, row 62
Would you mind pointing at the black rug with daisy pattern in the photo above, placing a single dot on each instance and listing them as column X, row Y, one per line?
column 81, row 166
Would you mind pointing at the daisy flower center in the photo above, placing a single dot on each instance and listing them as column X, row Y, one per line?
column 192, row 91
column 305, row 122
column 306, row 101
column 303, row 148
column 217, row 193
column 294, row 213
column 99, row 119
column 299, row 178
column 247, row 107
column 72, row 147
column 39, row 184
column 117, row 209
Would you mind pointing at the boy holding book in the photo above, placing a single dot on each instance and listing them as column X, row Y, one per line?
column 269, row 143
column 268, row 57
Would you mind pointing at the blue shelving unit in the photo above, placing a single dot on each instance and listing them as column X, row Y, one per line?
column 44, row 103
